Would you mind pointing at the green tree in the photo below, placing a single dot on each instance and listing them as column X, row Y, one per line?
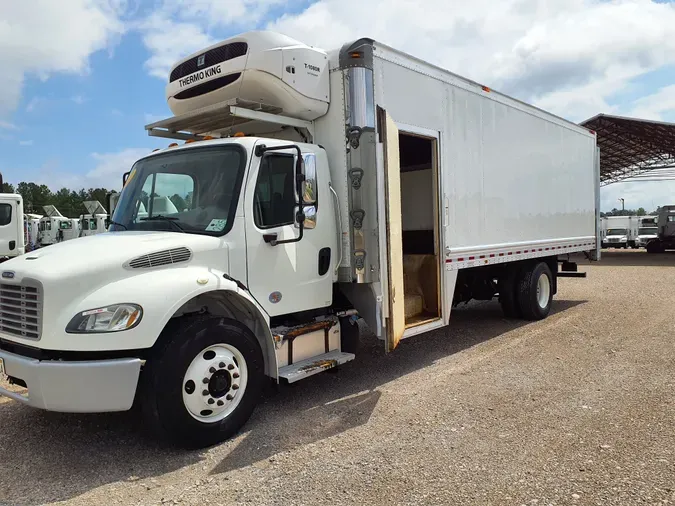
column 641, row 211
column 7, row 188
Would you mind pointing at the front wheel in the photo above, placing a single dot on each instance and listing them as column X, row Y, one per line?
column 203, row 383
column 535, row 291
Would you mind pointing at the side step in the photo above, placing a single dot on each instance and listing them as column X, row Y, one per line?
column 311, row 366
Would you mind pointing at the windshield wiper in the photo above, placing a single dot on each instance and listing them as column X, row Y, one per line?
column 118, row 224
column 161, row 217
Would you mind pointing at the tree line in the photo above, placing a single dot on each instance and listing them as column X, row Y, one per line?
column 640, row 211
column 68, row 202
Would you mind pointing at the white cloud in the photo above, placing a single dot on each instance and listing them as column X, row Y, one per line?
column 117, row 113
column 6, row 125
column 42, row 37
column 35, row 103
column 26, row 143
column 655, row 105
column 78, row 99
column 568, row 56
column 107, row 171
column 180, row 27
column 648, row 195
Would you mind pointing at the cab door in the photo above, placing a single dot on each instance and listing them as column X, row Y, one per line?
column 11, row 227
column 287, row 275
column 394, row 318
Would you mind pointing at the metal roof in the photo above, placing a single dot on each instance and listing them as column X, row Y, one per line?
column 635, row 149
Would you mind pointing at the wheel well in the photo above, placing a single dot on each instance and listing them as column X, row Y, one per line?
column 229, row 304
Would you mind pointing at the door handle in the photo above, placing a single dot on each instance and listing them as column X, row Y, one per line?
column 270, row 238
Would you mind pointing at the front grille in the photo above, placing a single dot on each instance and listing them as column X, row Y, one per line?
column 20, row 310
column 212, row 57
column 208, row 86
column 166, row 257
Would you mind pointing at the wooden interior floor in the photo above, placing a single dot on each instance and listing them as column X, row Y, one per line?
column 420, row 319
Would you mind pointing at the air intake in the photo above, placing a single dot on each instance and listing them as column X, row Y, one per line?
column 166, row 257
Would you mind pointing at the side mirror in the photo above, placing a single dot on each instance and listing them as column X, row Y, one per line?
column 309, row 183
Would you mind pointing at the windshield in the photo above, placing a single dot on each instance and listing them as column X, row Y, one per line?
column 192, row 190
column 648, row 231
column 616, row 231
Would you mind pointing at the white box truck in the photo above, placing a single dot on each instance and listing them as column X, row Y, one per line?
column 313, row 188
column 55, row 228
column 647, row 230
column 621, row 232
column 12, row 232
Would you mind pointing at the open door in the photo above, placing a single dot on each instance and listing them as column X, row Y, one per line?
column 395, row 322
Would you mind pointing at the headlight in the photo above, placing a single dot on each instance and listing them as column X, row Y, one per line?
column 623, row 239
column 113, row 318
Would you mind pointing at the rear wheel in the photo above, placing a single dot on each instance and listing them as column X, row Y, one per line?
column 535, row 291
column 203, row 383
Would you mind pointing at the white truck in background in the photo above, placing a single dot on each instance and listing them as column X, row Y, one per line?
column 621, row 232
column 647, row 230
column 12, row 236
column 55, row 228
column 32, row 230
column 313, row 188
column 95, row 221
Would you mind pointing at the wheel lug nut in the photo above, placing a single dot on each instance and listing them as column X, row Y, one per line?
column 205, row 392
column 235, row 387
column 221, row 365
column 229, row 397
column 220, row 403
column 230, row 367
column 205, row 381
column 235, row 374
column 210, row 401
column 212, row 370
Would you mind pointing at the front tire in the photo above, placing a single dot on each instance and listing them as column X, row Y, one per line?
column 203, row 382
column 535, row 291
column 508, row 299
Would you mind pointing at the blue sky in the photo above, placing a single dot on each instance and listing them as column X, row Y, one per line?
column 91, row 74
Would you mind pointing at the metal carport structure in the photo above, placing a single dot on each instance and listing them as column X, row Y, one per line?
column 633, row 149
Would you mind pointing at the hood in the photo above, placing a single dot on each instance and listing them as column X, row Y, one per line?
column 108, row 251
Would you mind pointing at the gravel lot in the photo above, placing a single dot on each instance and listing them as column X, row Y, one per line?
column 576, row 409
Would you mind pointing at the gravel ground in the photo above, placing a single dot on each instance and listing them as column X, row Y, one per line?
column 576, row 409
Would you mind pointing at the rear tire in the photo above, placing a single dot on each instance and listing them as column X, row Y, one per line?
column 203, row 382
column 507, row 293
column 535, row 291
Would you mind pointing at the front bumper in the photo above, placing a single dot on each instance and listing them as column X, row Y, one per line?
column 74, row 387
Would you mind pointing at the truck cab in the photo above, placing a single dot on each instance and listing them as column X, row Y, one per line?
column 95, row 221
column 647, row 231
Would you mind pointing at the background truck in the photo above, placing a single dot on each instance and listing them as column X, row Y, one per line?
column 647, row 230
column 55, row 228
column 313, row 188
column 621, row 231
column 96, row 219
column 665, row 238
column 12, row 236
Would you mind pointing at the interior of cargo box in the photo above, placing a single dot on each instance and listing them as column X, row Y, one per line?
column 419, row 214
